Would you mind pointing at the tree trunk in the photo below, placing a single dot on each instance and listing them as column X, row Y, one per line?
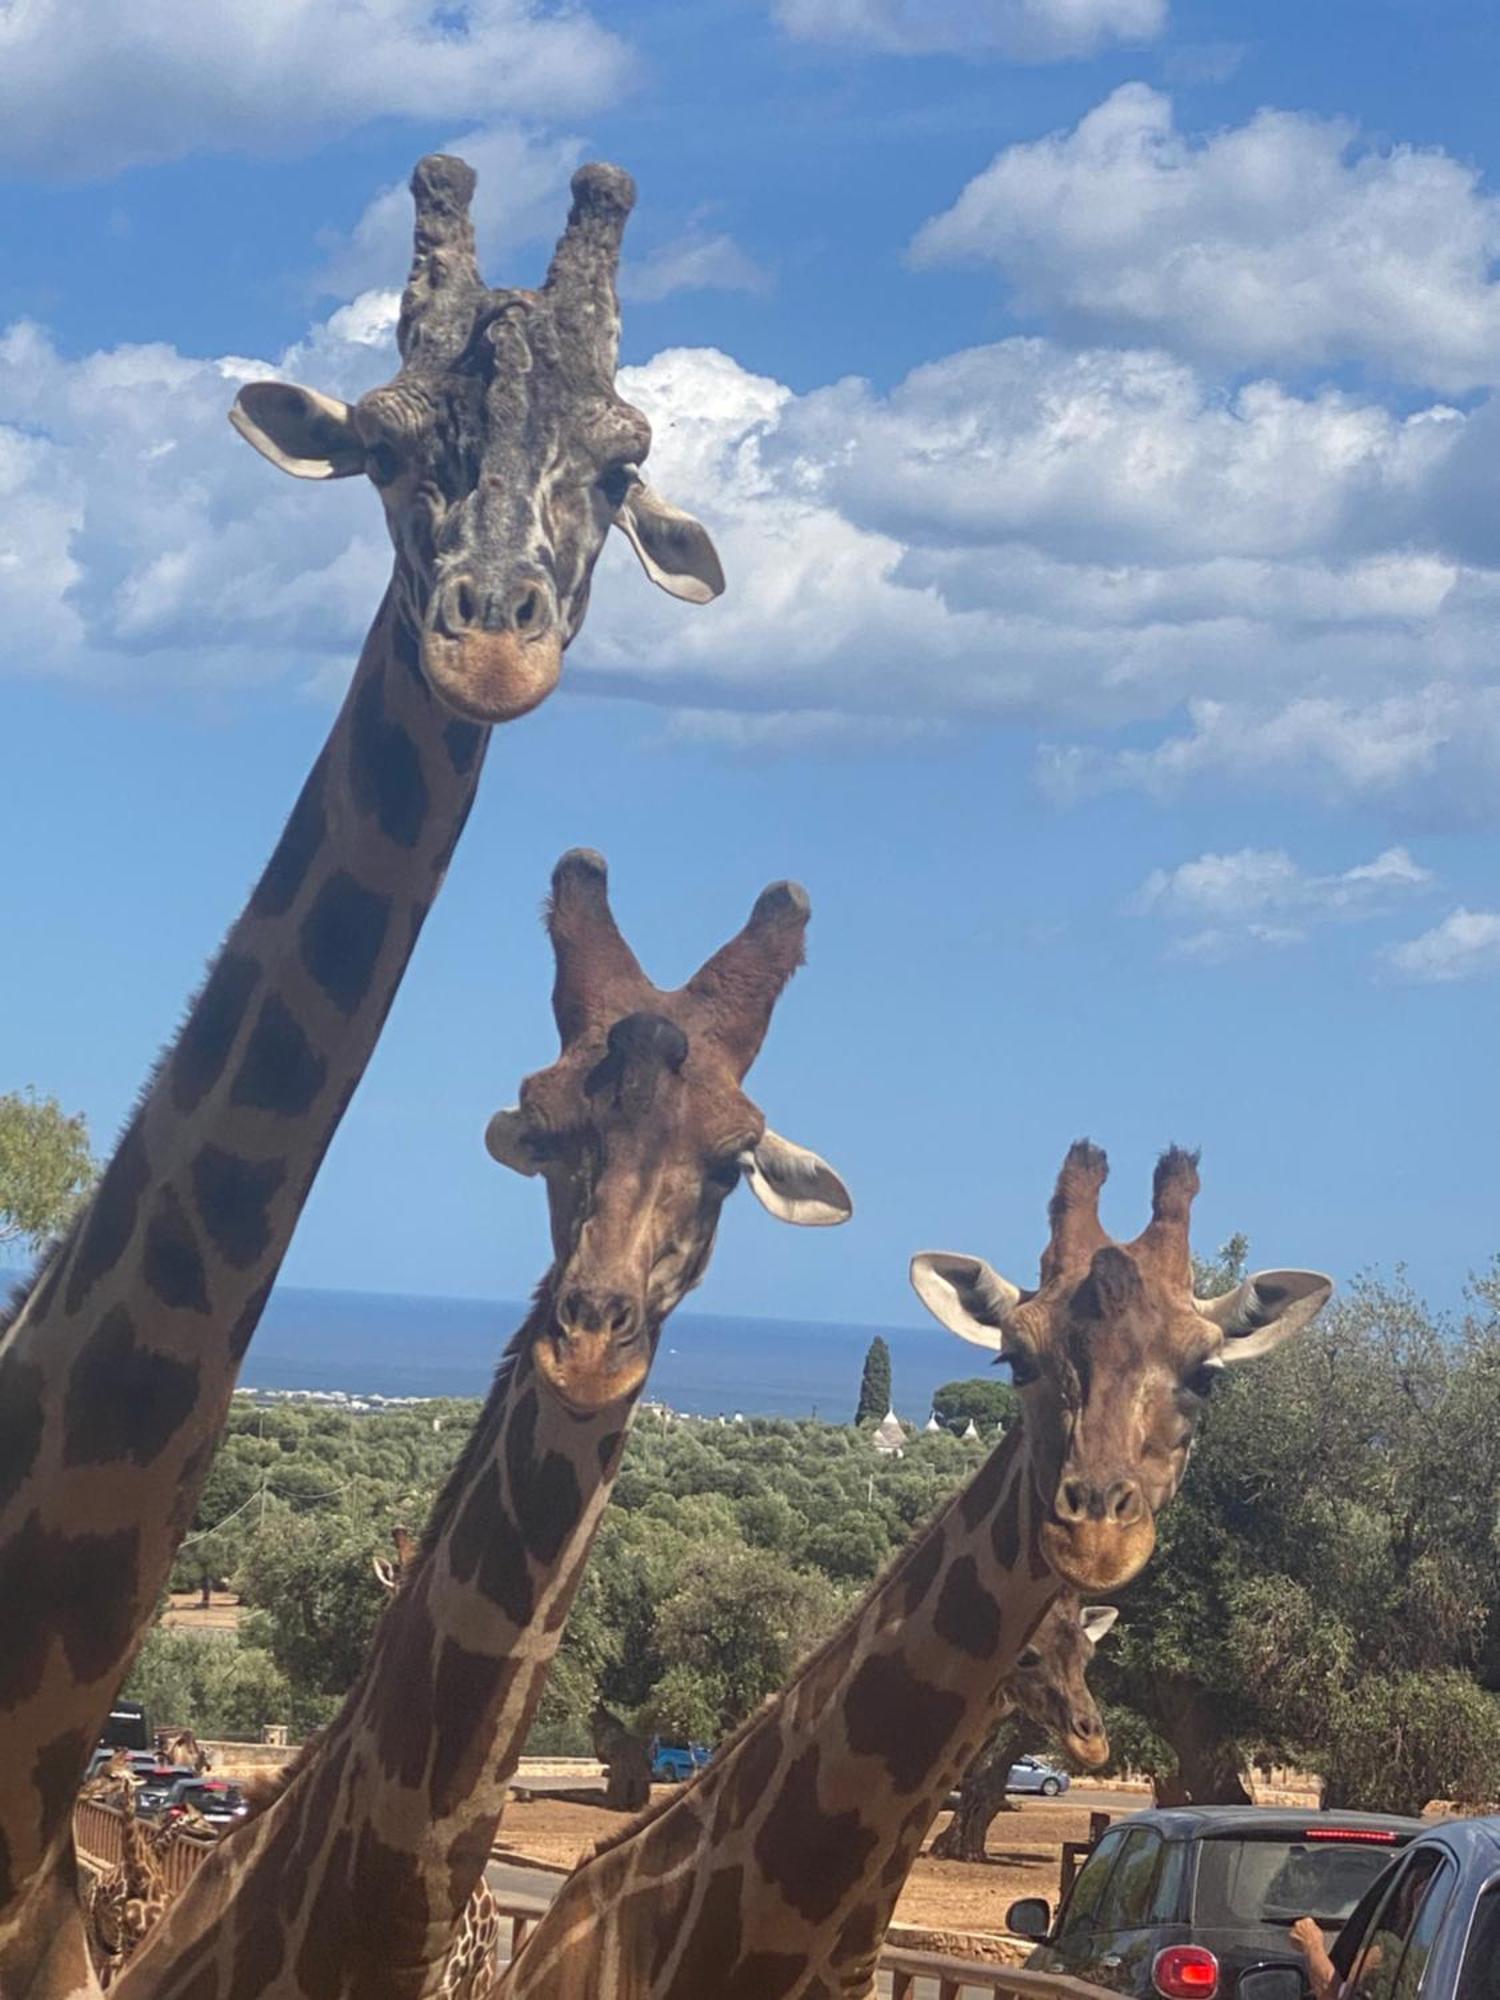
column 1208, row 1760
column 981, row 1796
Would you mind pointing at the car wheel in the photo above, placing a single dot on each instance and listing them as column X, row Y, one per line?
column 1050, row 1788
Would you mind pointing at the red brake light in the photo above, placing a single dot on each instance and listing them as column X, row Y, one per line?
column 1371, row 1836
column 1185, row 1972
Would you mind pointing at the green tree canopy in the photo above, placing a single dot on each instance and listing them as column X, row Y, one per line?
column 45, row 1167
column 984, row 1400
column 875, row 1384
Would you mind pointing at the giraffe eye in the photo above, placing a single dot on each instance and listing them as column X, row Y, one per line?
column 1204, row 1379
column 1023, row 1366
column 382, row 464
column 1030, row 1658
column 616, row 483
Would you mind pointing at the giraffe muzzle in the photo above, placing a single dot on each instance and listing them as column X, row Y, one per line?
column 596, row 1350
column 491, row 653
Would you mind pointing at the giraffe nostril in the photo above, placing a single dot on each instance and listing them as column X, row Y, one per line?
column 526, row 610
column 465, row 603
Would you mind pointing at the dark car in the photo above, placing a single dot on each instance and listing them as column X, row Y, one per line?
column 1429, row 1929
column 221, row 1803
column 673, row 1761
column 126, row 1727
column 1182, row 1903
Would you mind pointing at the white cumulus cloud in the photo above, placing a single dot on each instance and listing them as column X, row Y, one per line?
column 1259, row 586
column 1465, row 945
column 1024, row 30
column 1284, row 242
column 90, row 86
column 1258, row 897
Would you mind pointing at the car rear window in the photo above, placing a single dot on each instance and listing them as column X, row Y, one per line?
column 1276, row 1879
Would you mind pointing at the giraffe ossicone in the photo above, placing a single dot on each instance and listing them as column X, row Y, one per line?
column 502, row 450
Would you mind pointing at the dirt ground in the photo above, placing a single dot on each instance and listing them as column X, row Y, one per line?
column 185, row 1612
column 1024, row 1856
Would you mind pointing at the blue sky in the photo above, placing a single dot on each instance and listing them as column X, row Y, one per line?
column 1094, row 402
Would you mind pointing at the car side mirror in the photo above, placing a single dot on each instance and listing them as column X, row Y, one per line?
column 1271, row 1982
column 1032, row 1918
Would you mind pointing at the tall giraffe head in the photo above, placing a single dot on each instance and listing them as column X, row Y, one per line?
column 1049, row 1683
column 1114, row 1357
column 501, row 449
column 641, row 1128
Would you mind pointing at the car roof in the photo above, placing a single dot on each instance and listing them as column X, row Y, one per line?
column 1200, row 1822
column 1468, row 1839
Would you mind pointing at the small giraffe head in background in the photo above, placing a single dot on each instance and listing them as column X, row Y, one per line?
column 641, row 1129
column 1114, row 1357
column 501, row 449
column 391, row 1575
column 1050, row 1685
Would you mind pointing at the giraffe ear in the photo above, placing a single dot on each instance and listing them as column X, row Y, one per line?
column 674, row 550
column 794, row 1185
column 1268, row 1308
column 309, row 435
column 1096, row 1620
column 967, row 1295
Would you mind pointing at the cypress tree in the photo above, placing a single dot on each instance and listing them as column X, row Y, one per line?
column 875, row 1384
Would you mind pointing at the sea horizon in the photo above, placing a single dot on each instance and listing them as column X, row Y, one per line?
column 708, row 1364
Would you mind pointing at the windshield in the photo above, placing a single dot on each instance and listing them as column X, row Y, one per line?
column 1278, row 1880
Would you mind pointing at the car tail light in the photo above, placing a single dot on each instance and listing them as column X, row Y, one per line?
column 1371, row 1836
column 1185, row 1972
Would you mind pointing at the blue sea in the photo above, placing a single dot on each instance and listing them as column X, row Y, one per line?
column 391, row 1344
column 388, row 1345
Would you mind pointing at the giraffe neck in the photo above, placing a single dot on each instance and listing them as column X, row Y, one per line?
column 776, row 1872
column 117, row 1369
column 354, row 1881
column 138, row 1860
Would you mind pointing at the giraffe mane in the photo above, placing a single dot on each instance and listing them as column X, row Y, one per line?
column 478, row 1441
column 22, row 1290
column 52, row 1250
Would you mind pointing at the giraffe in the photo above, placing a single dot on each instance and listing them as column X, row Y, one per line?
column 127, row 1900
column 502, row 456
column 183, row 1749
column 350, row 1886
column 1049, row 1687
column 775, row 1872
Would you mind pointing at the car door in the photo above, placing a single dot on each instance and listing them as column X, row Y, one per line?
column 1124, row 1923
column 1071, row 1947
column 1389, row 1957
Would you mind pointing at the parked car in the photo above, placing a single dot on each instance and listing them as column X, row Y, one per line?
column 1035, row 1774
column 221, row 1803
column 1429, row 1928
column 1185, row 1903
column 674, row 1762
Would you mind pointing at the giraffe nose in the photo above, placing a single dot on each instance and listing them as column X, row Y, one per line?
column 1118, row 1503
column 586, row 1310
column 522, row 606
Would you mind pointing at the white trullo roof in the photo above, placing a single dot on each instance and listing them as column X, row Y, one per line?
column 890, row 1433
